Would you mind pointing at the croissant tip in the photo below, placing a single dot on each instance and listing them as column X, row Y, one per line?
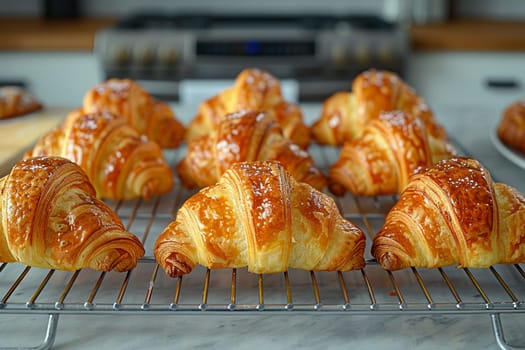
column 149, row 188
column 118, row 259
column 336, row 189
column 390, row 261
column 154, row 187
column 175, row 265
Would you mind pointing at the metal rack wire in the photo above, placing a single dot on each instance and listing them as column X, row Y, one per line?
column 369, row 291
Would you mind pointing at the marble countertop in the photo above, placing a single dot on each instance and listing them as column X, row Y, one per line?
column 432, row 330
column 261, row 332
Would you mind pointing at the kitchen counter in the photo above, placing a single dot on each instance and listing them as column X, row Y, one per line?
column 469, row 35
column 33, row 34
column 471, row 128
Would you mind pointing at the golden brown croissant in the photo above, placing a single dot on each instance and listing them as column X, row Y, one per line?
column 15, row 101
column 345, row 114
column 51, row 218
column 511, row 129
column 453, row 213
column 388, row 151
column 245, row 136
column 258, row 216
column 255, row 90
column 118, row 161
column 148, row 116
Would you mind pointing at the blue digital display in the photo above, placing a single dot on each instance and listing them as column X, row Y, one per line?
column 252, row 47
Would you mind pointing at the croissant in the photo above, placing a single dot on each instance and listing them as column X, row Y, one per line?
column 255, row 90
column 15, row 101
column 147, row 115
column 453, row 213
column 258, row 216
column 388, row 151
column 50, row 218
column 245, row 136
column 345, row 114
column 511, row 129
column 118, row 161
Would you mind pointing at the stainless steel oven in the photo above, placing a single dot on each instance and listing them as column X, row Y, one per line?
column 320, row 53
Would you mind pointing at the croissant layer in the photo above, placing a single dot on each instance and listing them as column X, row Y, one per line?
column 118, row 161
column 453, row 213
column 147, row 115
column 511, row 128
column 345, row 114
column 258, row 216
column 51, row 218
column 15, row 101
column 255, row 90
column 245, row 136
column 388, row 151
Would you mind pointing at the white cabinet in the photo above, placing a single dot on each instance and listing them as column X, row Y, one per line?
column 475, row 79
column 56, row 78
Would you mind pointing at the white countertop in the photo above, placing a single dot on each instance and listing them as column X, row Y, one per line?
column 468, row 126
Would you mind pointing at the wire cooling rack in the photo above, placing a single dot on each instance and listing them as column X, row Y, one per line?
column 147, row 290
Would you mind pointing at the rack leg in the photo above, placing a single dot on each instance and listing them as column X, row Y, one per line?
column 498, row 333
column 49, row 339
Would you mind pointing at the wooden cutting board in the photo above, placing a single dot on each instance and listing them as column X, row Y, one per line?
column 18, row 134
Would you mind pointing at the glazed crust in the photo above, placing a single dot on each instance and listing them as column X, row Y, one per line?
column 511, row 129
column 453, row 213
column 345, row 114
column 255, row 90
column 51, row 218
column 149, row 116
column 381, row 160
column 258, row 216
column 15, row 101
column 245, row 136
column 118, row 161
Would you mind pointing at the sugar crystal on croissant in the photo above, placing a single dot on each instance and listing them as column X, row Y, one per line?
column 259, row 216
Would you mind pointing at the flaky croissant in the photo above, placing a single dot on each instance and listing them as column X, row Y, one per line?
column 245, row 136
column 147, row 115
column 345, row 114
column 50, row 218
column 388, row 151
column 15, row 101
column 118, row 161
column 511, row 128
column 256, row 90
column 453, row 213
column 258, row 216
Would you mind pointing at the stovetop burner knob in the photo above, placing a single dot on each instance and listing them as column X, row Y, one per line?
column 339, row 55
column 386, row 55
column 144, row 55
column 168, row 56
column 362, row 54
column 120, row 56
